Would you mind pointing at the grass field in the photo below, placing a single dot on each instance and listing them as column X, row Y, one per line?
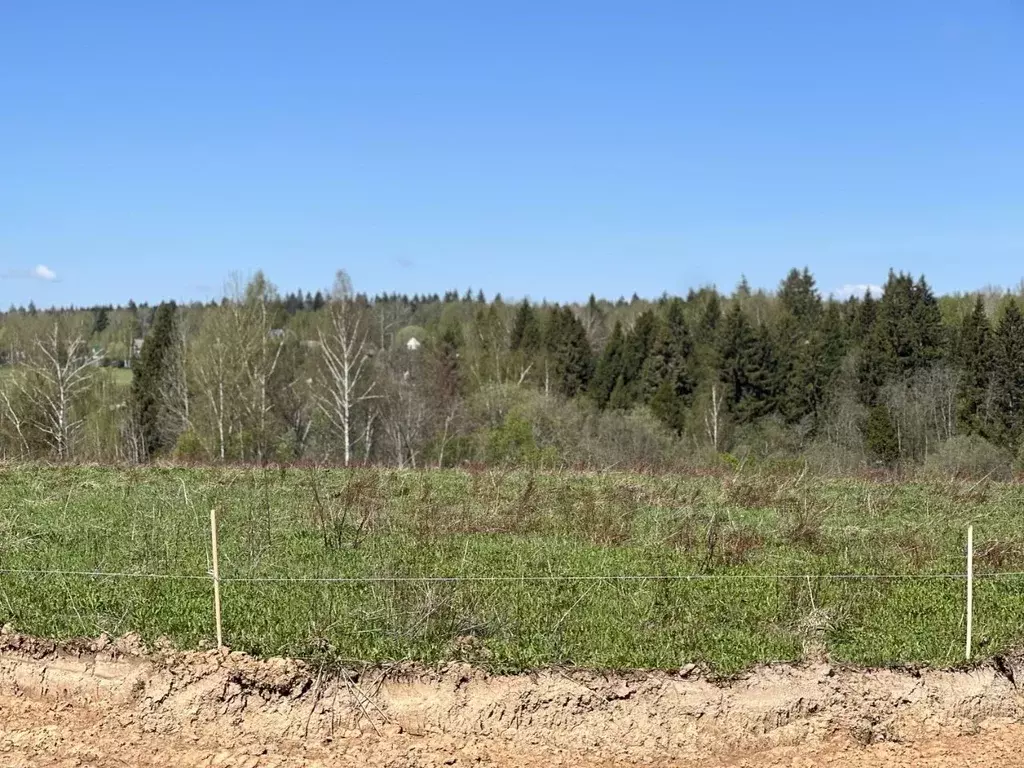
column 379, row 524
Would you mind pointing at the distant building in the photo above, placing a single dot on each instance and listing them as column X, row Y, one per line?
column 413, row 344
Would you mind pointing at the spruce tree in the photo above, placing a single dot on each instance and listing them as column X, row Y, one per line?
column 526, row 334
column 906, row 336
column 667, row 379
column 638, row 345
column 101, row 320
column 864, row 322
column 148, row 380
column 608, row 371
column 798, row 342
column 1008, row 376
column 880, row 436
column 570, row 356
column 972, row 354
column 745, row 366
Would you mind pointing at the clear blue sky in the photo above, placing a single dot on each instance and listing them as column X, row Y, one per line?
column 549, row 149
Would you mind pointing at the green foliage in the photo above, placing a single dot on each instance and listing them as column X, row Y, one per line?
column 973, row 356
column 513, row 443
column 150, row 376
column 609, row 370
column 526, row 333
column 189, row 447
column 880, row 436
column 906, row 336
column 570, row 357
column 746, row 366
column 101, row 320
column 1008, row 377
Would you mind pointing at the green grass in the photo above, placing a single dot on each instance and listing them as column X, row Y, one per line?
column 384, row 525
column 122, row 376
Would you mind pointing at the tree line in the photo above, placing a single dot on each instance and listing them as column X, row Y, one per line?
column 440, row 380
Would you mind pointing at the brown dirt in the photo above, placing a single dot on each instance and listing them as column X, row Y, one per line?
column 106, row 704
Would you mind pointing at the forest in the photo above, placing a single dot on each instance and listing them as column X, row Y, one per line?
column 902, row 380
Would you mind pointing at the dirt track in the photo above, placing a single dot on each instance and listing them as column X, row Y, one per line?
column 100, row 707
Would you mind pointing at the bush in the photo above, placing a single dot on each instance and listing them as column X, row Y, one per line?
column 189, row 447
column 969, row 456
column 627, row 439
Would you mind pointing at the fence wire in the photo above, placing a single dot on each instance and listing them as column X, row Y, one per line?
column 513, row 578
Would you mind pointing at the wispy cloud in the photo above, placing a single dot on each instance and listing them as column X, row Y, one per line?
column 856, row 289
column 39, row 272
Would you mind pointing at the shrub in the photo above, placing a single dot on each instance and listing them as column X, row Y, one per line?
column 969, row 456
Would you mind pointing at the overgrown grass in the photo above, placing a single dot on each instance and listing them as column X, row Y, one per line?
column 381, row 524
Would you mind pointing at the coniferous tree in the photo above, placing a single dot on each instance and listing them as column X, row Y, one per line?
column 148, row 380
column 608, row 371
column 100, row 321
column 906, row 336
column 637, row 347
column 570, row 357
column 972, row 355
column 880, row 436
column 667, row 381
column 1008, row 376
column 525, row 335
column 867, row 312
column 744, row 366
column 798, row 345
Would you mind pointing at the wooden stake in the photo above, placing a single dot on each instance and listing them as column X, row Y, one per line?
column 970, row 587
column 216, row 578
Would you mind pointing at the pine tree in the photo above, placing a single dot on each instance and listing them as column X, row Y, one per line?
column 1008, row 376
column 972, row 355
column 148, row 380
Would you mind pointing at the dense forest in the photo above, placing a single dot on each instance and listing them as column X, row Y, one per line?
column 904, row 378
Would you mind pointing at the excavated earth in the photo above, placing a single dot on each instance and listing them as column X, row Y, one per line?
column 110, row 703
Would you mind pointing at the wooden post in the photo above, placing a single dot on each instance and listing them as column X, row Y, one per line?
column 216, row 578
column 970, row 587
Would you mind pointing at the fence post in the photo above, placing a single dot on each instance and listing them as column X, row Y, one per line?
column 216, row 578
column 970, row 587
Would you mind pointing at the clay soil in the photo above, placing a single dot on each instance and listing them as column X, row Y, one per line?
column 107, row 704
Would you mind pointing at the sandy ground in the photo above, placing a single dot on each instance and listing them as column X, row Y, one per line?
column 35, row 734
column 103, row 706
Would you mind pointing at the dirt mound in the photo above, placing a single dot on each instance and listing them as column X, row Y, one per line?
column 278, row 709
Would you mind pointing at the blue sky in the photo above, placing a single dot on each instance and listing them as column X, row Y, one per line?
column 549, row 149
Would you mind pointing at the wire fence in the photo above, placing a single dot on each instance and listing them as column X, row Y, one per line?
column 736, row 615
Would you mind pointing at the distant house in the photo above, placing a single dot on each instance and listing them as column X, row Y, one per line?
column 276, row 333
column 137, row 346
column 413, row 344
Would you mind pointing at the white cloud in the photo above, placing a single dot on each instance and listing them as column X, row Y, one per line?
column 43, row 272
column 856, row 289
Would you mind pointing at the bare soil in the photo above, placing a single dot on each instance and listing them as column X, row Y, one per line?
column 107, row 704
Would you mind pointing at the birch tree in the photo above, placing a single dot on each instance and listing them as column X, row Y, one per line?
column 52, row 381
column 346, row 380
